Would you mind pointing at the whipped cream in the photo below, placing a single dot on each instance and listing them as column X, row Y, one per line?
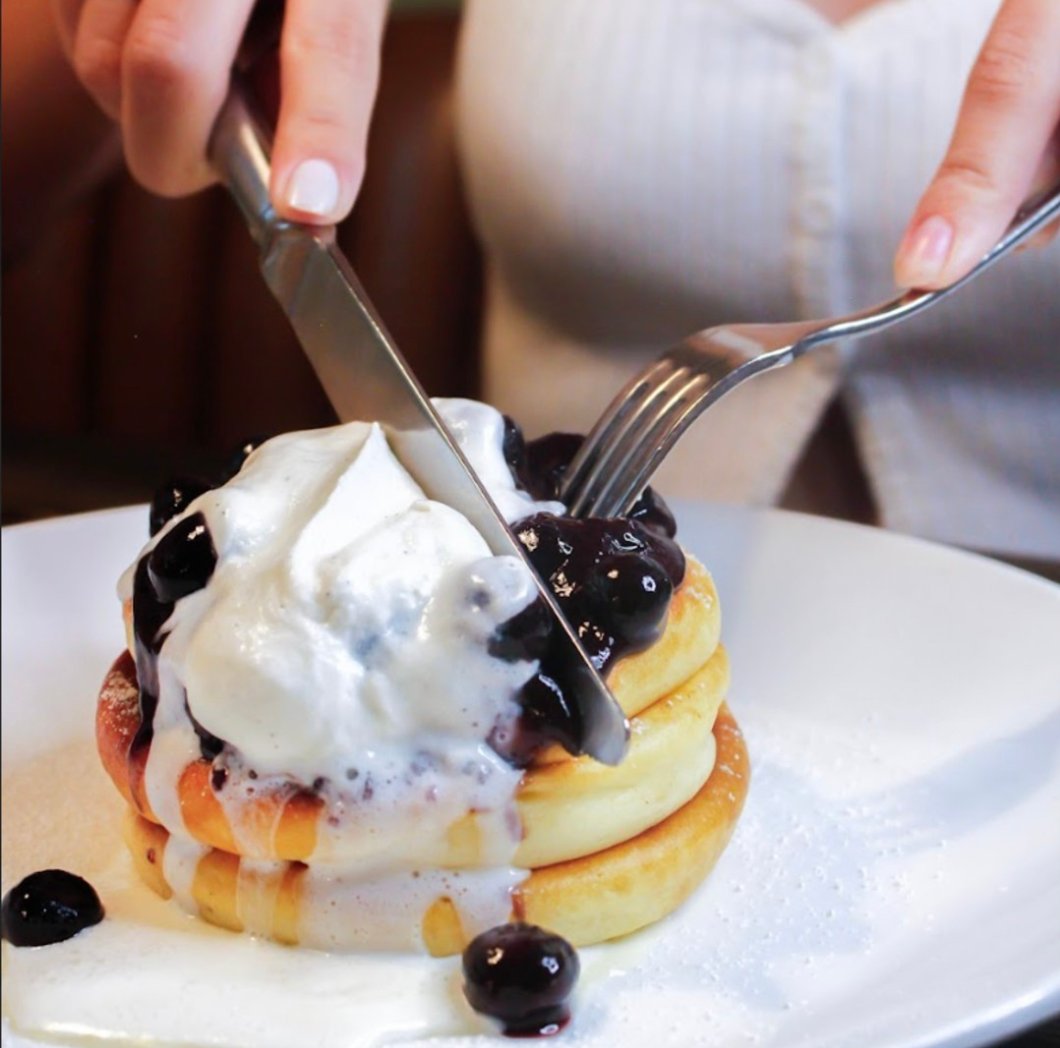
column 479, row 431
column 341, row 645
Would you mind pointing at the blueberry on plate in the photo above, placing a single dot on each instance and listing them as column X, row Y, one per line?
column 522, row 976
column 49, row 906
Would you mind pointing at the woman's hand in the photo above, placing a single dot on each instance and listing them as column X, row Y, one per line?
column 161, row 69
column 1007, row 138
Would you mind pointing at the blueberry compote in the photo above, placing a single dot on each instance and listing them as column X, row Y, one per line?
column 180, row 563
column 239, row 457
column 522, row 976
column 49, row 906
column 613, row 579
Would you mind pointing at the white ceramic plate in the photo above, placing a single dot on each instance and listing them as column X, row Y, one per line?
column 895, row 879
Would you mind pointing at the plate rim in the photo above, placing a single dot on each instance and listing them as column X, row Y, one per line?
column 1040, row 1003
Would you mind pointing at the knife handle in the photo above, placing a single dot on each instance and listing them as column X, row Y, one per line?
column 240, row 146
column 240, row 149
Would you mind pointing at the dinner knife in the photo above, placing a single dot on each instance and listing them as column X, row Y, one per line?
column 366, row 378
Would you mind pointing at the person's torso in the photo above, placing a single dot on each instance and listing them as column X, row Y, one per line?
column 640, row 169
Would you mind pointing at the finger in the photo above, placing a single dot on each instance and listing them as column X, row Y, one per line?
column 175, row 74
column 329, row 59
column 65, row 15
column 97, row 49
column 1010, row 111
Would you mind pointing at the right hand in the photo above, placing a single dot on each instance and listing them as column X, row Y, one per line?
column 1008, row 131
column 160, row 68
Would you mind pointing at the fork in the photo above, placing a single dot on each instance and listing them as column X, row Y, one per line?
column 647, row 418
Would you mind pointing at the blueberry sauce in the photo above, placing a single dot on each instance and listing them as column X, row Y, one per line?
column 210, row 746
column 539, row 466
column 49, row 906
column 174, row 497
column 149, row 616
column 614, row 580
column 181, row 562
column 546, row 715
column 522, row 976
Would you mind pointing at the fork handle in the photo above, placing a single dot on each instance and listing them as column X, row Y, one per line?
column 595, row 485
column 1036, row 212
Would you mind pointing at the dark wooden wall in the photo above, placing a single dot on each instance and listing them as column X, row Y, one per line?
column 139, row 339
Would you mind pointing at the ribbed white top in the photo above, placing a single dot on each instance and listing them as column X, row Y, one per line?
column 640, row 169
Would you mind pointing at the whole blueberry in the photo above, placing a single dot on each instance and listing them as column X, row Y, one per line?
column 49, row 906
column 172, row 498
column 547, row 459
column 631, row 593
column 525, row 636
column 546, row 715
column 240, row 456
column 651, row 511
column 522, row 976
column 183, row 560
column 513, row 447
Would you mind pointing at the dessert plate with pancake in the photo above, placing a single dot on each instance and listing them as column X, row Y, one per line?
column 900, row 704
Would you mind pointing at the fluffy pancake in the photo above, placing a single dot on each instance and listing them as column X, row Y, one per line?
column 576, row 807
column 569, row 807
column 693, row 629
column 597, row 897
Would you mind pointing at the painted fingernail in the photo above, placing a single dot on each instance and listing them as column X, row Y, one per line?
column 313, row 188
column 926, row 252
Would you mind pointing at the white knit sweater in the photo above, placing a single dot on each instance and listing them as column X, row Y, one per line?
column 640, row 169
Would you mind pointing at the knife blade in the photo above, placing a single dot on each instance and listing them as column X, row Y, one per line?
column 366, row 378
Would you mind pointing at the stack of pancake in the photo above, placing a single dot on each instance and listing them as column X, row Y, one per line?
column 607, row 849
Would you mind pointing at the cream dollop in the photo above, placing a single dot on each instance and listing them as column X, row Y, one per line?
column 342, row 644
column 479, row 430
column 338, row 632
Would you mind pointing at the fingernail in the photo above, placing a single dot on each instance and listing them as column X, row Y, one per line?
column 313, row 188
column 926, row 252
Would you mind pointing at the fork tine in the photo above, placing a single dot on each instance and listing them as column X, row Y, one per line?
column 652, row 412
column 622, row 438
column 597, row 486
column 628, row 422
column 713, row 363
column 704, row 387
column 624, row 486
column 611, row 491
column 598, row 447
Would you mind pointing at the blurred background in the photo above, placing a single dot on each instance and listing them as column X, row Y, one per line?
column 139, row 340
